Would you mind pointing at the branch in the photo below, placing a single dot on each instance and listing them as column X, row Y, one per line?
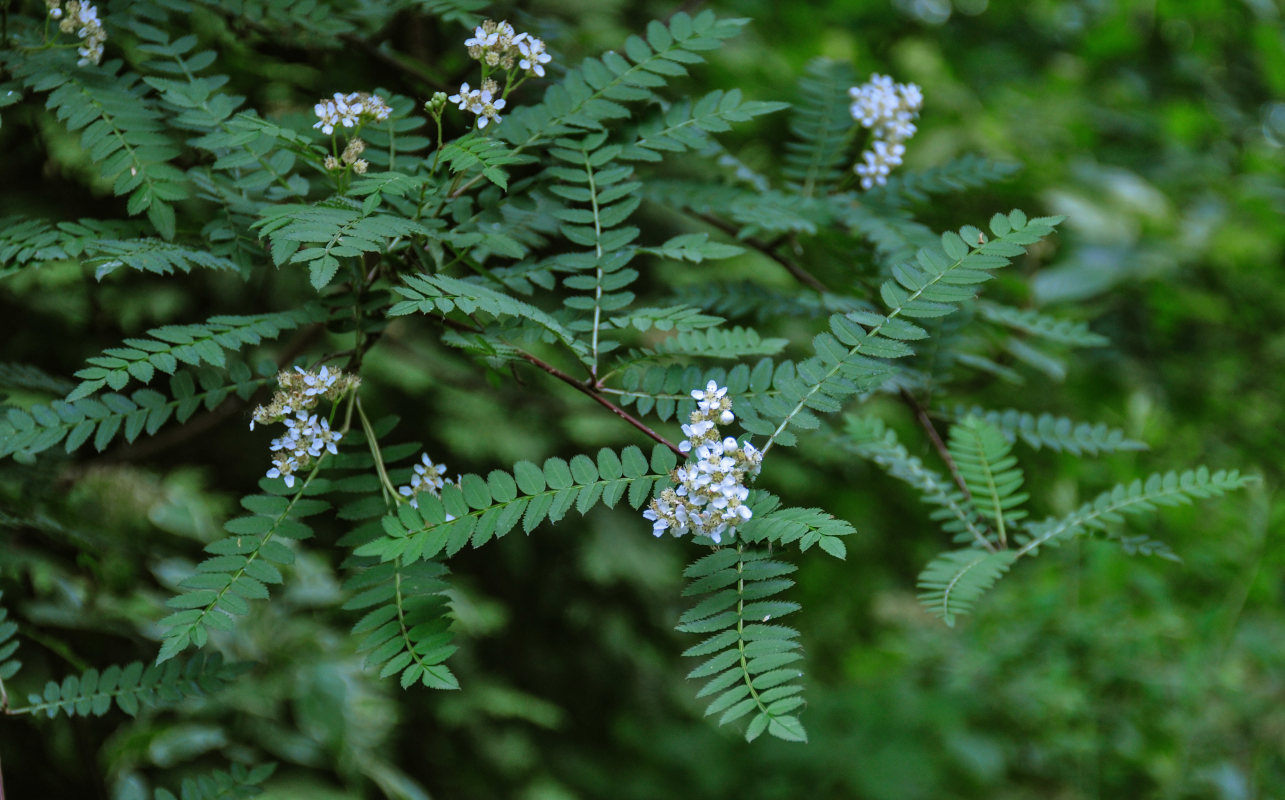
column 925, row 422
column 580, row 386
column 921, row 415
column 615, row 409
column 768, row 249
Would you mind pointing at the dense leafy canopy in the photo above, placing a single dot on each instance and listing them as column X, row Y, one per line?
column 922, row 366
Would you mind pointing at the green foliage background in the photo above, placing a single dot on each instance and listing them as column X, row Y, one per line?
column 1157, row 128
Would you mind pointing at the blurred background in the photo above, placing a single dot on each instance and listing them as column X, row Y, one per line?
column 1157, row 128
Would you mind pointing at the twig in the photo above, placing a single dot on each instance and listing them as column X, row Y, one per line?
column 768, row 249
column 584, row 387
column 581, row 386
column 921, row 415
column 925, row 422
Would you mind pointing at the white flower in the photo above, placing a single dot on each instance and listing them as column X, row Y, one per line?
column 464, row 97
column 496, row 44
column 82, row 19
column 711, row 392
column 427, row 477
column 283, row 467
column 320, row 383
column 534, row 56
column 481, row 38
column 308, row 436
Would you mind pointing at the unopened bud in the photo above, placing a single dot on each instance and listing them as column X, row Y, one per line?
column 436, row 103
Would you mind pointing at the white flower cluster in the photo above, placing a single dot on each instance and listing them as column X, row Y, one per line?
column 888, row 109
column 497, row 44
column 349, row 109
column 426, row 478
column 82, row 19
column 711, row 493
column 482, row 102
column 308, row 435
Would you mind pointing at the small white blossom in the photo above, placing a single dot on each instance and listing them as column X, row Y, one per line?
column 319, row 383
column 283, row 467
column 495, row 44
column 878, row 162
column 427, row 477
column 464, row 97
column 534, row 56
column 887, row 108
column 482, row 38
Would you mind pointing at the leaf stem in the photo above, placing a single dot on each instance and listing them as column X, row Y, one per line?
column 925, row 422
column 385, row 484
column 597, row 244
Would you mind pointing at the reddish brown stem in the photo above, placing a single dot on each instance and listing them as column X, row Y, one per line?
column 925, row 422
column 587, row 389
column 583, row 387
column 768, row 249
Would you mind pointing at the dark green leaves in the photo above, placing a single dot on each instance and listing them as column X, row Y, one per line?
column 1055, row 433
column 1142, row 495
column 92, row 693
column 101, row 419
column 440, row 293
column 487, row 154
column 240, row 568
column 807, row 526
column 822, row 126
column 994, row 481
column 124, row 133
column 594, row 92
column 320, row 235
column 405, row 628
column 485, row 509
column 849, row 357
column 167, row 347
column 236, row 783
column 953, row 582
column 750, row 662
column 9, row 665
